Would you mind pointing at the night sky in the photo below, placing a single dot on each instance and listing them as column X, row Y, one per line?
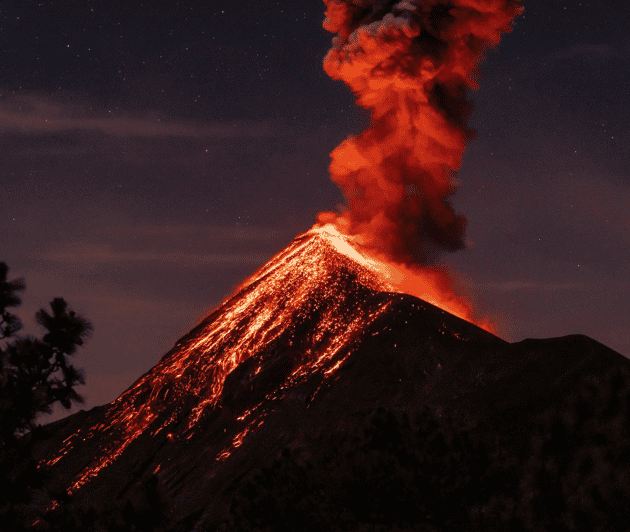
column 153, row 155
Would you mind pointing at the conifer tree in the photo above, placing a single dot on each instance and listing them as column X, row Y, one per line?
column 35, row 374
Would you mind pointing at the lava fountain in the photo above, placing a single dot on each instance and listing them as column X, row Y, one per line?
column 410, row 63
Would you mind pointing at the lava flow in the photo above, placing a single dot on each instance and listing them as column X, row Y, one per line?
column 313, row 299
column 410, row 63
column 295, row 321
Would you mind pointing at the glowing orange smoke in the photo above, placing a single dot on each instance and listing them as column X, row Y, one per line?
column 436, row 287
column 411, row 64
column 429, row 284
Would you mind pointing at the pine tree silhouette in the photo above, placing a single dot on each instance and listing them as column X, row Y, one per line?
column 35, row 374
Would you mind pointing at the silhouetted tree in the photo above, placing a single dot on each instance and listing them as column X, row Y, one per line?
column 34, row 375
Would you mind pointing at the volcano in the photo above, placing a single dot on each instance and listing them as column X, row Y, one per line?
column 312, row 343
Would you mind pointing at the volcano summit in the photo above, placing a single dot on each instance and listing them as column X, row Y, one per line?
column 313, row 343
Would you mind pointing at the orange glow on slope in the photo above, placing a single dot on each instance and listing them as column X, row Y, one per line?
column 320, row 274
column 323, row 273
column 430, row 285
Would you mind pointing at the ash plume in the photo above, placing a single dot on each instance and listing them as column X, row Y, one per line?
column 411, row 64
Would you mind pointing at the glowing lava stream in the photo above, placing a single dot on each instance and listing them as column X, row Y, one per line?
column 319, row 274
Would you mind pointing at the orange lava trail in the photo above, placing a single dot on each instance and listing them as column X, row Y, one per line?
column 245, row 325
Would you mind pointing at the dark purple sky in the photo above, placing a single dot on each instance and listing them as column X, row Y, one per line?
column 154, row 155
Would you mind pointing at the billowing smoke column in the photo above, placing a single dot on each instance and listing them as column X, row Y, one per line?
column 410, row 63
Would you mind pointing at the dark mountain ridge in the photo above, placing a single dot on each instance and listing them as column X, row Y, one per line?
column 311, row 344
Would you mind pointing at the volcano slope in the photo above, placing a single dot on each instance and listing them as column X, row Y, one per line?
column 309, row 348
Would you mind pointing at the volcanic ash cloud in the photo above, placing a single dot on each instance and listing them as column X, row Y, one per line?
column 411, row 64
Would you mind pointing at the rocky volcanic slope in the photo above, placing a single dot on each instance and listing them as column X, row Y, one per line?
column 313, row 341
